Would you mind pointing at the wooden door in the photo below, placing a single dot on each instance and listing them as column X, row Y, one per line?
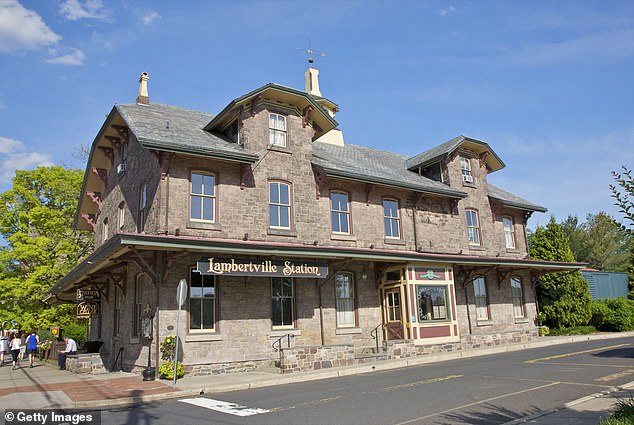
column 393, row 314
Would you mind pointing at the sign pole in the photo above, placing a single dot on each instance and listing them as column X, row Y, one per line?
column 181, row 294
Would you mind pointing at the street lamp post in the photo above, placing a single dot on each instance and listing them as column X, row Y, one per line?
column 149, row 374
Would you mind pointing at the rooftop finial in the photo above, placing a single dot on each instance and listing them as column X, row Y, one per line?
column 311, row 52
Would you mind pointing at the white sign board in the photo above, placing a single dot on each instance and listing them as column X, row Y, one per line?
column 181, row 292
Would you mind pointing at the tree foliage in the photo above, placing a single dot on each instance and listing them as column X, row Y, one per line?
column 36, row 218
column 623, row 193
column 564, row 298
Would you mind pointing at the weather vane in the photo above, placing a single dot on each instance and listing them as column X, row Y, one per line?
column 311, row 52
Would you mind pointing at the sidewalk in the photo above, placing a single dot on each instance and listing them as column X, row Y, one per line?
column 44, row 386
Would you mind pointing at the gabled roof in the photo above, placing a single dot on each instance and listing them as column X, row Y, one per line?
column 493, row 162
column 174, row 129
column 360, row 163
column 509, row 200
column 320, row 116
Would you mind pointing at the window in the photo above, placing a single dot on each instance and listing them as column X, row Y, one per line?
column 279, row 205
column 202, row 302
column 393, row 307
column 138, row 308
column 391, row 220
column 117, row 313
column 481, row 299
column 518, row 298
column 432, row 302
column 344, row 300
column 465, row 170
column 340, row 213
column 473, row 227
column 282, row 302
column 104, row 229
column 202, row 197
column 121, row 215
column 509, row 232
column 142, row 207
column 277, row 130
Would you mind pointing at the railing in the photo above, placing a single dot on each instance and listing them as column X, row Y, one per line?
column 119, row 356
column 277, row 345
column 375, row 335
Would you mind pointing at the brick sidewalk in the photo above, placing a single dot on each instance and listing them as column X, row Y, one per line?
column 97, row 390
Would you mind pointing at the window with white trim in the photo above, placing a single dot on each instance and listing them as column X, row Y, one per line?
column 509, row 232
column 391, row 219
column 465, row 170
column 279, row 205
column 345, row 300
column 481, row 299
column 104, row 229
column 121, row 215
column 473, row 227
column 202, row 302
column 202, row 197
column 340, row 213
column 282, row 302
column 519, row 310
column 142, row 208
column 277, row 130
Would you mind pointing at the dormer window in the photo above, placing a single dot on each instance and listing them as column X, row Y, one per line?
column 277, row 130
column 465, row 170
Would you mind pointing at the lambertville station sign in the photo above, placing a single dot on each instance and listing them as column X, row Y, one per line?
column 259, row 267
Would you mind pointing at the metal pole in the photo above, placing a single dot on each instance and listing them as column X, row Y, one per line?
column 178, row 325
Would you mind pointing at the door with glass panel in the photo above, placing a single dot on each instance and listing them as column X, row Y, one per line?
column 393, row 314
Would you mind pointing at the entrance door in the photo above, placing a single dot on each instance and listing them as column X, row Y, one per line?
column 393, row 314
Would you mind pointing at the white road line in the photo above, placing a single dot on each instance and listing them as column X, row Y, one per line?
column 223, row 406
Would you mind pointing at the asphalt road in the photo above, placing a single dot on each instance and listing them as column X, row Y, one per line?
column 491, row 389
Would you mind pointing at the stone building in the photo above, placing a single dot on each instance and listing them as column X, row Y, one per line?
column 298, row 249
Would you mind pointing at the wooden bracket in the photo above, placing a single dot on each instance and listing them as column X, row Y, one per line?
column 244, row 171
column 369, row 187
column 109, row 152
column 123, row 131
column 95, row 197
column 114, row 141
column 254, row 103
column 320, row 179
column 482, row 158
column 102, row 173
column 495, row 210
column 90, row 219
column 307, row 110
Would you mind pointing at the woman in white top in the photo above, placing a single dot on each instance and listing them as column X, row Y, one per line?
column 4, row 348
column 14, row 345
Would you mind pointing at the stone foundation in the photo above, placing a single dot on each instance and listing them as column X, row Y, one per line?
column 85, row 363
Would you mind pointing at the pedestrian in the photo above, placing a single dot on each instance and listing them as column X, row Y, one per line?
column 4, row 348
column 31, row 347
column 14, row 345
column 71, row 349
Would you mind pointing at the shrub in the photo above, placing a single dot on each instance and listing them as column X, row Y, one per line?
column 167, row 348
column 576, row 330
column 613, row 315
column 166, row 371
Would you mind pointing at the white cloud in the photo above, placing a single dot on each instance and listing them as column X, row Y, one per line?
column 75, row 57
column 23, row 29
column 74, row 10
column 13, row 156
column 147, row 16
column 446, row 11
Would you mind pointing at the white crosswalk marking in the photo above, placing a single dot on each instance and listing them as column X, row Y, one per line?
column 223, row 406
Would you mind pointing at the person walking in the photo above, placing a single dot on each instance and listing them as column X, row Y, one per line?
column 31, row 347
column 14, row 345
column 71, row 349
column 4, row 347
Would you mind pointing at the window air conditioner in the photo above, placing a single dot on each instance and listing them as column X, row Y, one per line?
column 467, row 179
column 121, row 168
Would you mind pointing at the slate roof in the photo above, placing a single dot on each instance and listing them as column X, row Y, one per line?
column 369, row 165
column 508, row 199
column 447, row 148
column 175, row 129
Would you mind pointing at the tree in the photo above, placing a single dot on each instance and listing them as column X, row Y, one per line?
column 605, row 244
column 564, row 298
column 624, row 196
column 575, row 234
column 36, row 218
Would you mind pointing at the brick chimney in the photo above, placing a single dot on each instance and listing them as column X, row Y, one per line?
column 143, row 98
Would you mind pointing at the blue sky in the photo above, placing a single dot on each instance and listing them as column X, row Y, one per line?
column 549, row 85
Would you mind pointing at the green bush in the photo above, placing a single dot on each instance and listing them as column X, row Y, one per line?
column 166, row 371
column 576, row 330
column 613, row 315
